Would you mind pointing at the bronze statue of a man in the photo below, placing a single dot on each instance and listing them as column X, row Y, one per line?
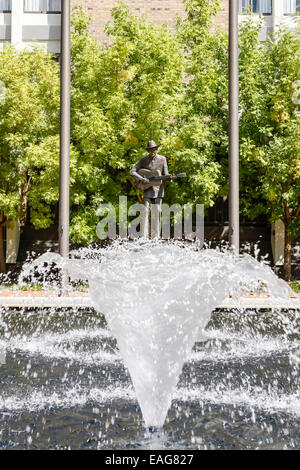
column 154, row 193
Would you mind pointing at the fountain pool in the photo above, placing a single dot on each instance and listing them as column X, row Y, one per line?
column 153, row 357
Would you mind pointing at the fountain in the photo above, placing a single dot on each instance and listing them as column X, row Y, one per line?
column 157, row 298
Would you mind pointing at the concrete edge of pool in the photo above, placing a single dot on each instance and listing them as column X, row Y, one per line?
column 26, row 301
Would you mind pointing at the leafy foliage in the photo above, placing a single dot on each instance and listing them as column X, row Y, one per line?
column 123, row 95
column 28, row 116
column 270, row 126
column 151, row 83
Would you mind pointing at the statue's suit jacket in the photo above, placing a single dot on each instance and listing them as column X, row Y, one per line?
column 158, row 163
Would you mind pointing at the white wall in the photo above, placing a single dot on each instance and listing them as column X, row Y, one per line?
column 20, row 20
column 276, row 20
column 16, row 22
column 5, row 23
column 43, row 20
column 36, row 19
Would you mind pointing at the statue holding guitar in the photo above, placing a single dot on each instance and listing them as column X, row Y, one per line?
column 150, row 172
column 154, row 177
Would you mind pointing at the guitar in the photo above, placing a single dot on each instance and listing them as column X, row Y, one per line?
column 155, row 178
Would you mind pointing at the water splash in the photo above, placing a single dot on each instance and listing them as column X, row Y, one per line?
column 157, row 298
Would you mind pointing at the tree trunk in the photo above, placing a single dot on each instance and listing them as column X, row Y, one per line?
column 287, row 266
column 2, row 255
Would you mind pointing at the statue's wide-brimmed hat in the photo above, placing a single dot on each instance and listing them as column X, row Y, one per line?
column 151, row 145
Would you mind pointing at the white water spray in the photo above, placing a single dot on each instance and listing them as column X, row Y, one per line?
column 157, row 298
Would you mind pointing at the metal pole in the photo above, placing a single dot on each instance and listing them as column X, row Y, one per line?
column 234, row 225
column 64, row 174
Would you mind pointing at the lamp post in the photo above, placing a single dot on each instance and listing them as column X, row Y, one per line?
column 64, row 164
column 234, row 224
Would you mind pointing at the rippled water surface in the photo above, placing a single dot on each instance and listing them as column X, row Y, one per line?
column 64, row 385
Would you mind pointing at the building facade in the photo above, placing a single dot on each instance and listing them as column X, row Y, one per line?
column 275, row 13
column 27, row 22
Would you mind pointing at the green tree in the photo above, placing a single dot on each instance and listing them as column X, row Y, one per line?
column 269, row 129
column 28, row 115
column 269, row 120
column 199, row 141
column 146, row 85
column 122, row 96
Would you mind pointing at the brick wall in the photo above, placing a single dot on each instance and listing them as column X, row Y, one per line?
column 160, row 11
column 221, row 19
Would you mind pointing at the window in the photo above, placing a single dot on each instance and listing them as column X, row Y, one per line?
column 291, row 7
column 255, row 6
column 42, row 6
column 5, row 5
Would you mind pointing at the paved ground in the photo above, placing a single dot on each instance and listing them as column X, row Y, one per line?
column 10, row 298
column 53, row 293
column 38, row 293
